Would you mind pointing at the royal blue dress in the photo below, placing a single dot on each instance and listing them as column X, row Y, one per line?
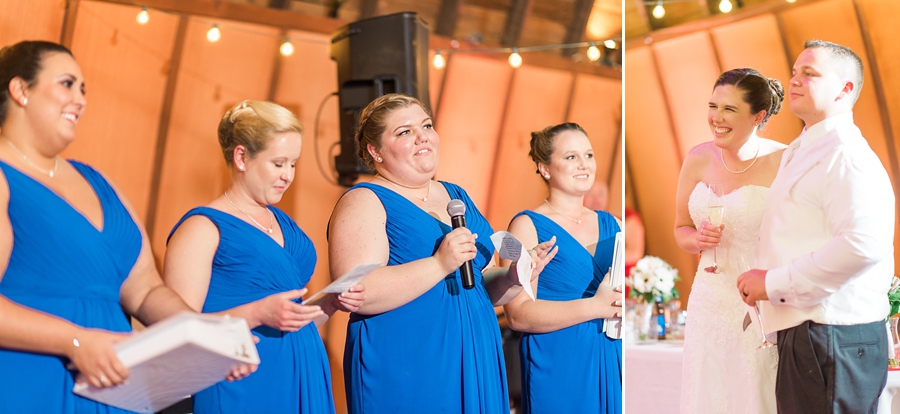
column 576, row 369
column 439, row 353
column 293, row 374
column 64, row 266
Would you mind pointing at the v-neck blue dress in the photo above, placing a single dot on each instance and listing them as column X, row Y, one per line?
column 576, row 369
column 64, row 266
column 439, row 353
column 293, row 374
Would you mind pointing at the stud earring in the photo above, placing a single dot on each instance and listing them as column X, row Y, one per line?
column 240, row 168
column 25, row 101
column 546, row 176
column 378, row 159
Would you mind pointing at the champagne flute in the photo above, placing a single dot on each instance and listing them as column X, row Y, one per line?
column 716, row 204
column 743, row 266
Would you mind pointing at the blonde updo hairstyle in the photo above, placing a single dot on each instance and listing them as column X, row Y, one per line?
column 253, row 124
column 542, row 143
column 373, row 122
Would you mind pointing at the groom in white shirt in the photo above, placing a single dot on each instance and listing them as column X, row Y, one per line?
column 826, row 247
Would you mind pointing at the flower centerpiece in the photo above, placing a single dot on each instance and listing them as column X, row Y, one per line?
column 652, row 277
column 894, row 324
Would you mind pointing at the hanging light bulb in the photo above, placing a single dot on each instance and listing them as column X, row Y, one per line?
column 213, row 35
column 725, row 6
column 791, row 1
column 659, row 11
column 515, row 60
column 593, row 52
column 287, row 48
column 438, row 60
column 610, row 44
column 143, row 17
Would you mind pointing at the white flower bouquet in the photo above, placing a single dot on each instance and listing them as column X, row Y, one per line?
column 652, row 277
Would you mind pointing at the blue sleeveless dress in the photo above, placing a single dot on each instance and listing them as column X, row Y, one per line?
column 293, row 374
column 576, row 369
column 439, row 353
column 64, row 266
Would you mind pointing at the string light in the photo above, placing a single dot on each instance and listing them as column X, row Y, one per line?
column 659, row 11
column 438, row 59
column 287, row 48
column 791, row 1
column 725, row 6
column 610, row 44
column 214, row 34
column 143, row 17
column 515, row 59
column 593, row 52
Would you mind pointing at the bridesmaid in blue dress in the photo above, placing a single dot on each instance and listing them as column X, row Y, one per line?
column 569, row 365
column 243, row 257
column 421, row 342
column 73, row 254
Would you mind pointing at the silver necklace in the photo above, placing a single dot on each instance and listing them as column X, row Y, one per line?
column 51, row 173
column 722, row 154
column 424, row 199
column 561, row 214
column 268, row 229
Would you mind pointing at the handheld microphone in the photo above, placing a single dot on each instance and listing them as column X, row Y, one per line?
column 457, row 211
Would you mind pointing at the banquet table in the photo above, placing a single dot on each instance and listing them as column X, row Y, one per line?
column 653, row 380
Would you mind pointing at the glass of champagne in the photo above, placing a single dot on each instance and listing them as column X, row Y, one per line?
column 716, row 204
column 743, row 267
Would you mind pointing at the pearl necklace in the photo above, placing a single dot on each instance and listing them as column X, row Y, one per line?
column 51, row 173
column 424, row 199
column 561, row 214
column 722, row 154
column 268, row 229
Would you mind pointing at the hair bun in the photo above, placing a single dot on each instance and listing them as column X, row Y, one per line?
column 777, row 95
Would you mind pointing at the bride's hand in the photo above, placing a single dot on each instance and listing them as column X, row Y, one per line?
column 708, row 236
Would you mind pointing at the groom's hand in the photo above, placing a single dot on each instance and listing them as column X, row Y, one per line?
column 752, row 286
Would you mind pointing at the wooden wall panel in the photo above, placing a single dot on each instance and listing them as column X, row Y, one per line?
column 536, row 101
column 653, row 161
column 210, row 82
column 688, row 86
column 31, row 20
column 469, row 123
column 596, row 105
column 125, row 66
column 756, row 43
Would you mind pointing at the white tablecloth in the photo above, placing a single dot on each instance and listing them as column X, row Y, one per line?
column 653, row 377
column 653, row 380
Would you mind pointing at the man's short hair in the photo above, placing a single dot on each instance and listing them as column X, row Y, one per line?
column 846, row 57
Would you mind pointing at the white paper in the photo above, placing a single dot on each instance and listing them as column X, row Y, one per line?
column 511, row 248
column 352, row 277
column 174, row 359
column 613, row 326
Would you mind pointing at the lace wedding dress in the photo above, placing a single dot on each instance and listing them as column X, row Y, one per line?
column 724, row 372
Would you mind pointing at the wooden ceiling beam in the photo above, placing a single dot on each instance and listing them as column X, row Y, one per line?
column 280, row 4
column 518, row 12
column 448, row 17
column 578, row 24
column 242, row 13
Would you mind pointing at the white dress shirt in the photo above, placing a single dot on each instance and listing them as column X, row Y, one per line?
column 827, row 234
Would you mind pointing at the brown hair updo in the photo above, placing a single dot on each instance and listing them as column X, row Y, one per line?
column 23, row 60
column 542, row 142
column 760, row 92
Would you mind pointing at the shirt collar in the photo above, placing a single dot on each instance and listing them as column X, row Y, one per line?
column 822, row 128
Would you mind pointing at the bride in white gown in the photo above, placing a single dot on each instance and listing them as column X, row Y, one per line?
column 724, row 372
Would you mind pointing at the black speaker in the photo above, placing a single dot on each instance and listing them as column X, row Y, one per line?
column 377, row 56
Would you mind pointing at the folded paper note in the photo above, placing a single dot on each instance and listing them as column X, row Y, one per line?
column 613, row 326
column 510, row 248
column 352, row 277
column 174, row 359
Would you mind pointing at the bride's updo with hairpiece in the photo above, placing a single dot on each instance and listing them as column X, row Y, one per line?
column 760, row 92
